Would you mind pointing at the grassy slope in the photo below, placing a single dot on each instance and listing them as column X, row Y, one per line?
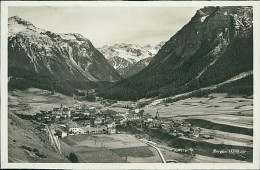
column 23, row 133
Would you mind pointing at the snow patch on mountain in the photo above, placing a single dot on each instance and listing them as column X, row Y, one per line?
column 130, row 52
column 65, row 56
column 123, row 56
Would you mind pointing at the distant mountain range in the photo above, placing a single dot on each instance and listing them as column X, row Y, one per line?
column 41, row 58
column 216, row 45
column 124, row 57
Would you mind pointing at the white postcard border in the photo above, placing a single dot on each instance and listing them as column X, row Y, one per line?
column 4, row 86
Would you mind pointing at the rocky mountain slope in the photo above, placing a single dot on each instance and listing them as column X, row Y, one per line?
column 138, row 66
column 216, row 45
column 124, row 56
column 36, row 56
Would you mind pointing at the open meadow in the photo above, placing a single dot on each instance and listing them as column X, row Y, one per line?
column 218, row 108
column 109, row 148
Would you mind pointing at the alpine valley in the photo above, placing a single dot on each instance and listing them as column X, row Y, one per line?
column 214, row 47
column 187, row 100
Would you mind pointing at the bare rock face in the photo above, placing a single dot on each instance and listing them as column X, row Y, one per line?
column 208, row 28
column 215, row 45
column 60, row 57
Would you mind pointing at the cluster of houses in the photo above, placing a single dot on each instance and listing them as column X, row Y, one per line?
column 80, row 120
column 174, row 127
column 83, row 93
column 56, row 115
column 85, row 119
column 189, row 151
column 72, row 128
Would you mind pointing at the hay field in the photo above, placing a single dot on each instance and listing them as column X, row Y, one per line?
column 218, row 108
column 110, row 148
column 109, row 141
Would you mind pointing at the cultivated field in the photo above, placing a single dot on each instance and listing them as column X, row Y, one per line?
column 228, row 118
column 218, row 108
column 115, row 148
column 110, row 141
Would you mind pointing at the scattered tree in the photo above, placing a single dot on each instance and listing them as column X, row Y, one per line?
column 73, row 158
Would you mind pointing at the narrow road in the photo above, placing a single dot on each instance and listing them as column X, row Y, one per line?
column 54, row 140
column 157, row 149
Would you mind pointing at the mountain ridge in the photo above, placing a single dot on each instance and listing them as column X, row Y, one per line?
column 70, row 57
column 124, row 56
column 223, row 34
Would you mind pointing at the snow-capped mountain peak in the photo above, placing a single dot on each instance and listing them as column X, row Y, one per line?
column 123, row 56
column 130, row 52
column 17, row 24
column 68, row 56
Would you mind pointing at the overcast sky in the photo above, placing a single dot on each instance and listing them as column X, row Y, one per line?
column 110, row 25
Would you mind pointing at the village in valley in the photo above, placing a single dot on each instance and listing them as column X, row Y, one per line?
column 117, row 125
column 129, row 99
column 78, row 119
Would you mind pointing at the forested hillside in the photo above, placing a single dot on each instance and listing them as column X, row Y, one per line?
column 214, row 46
